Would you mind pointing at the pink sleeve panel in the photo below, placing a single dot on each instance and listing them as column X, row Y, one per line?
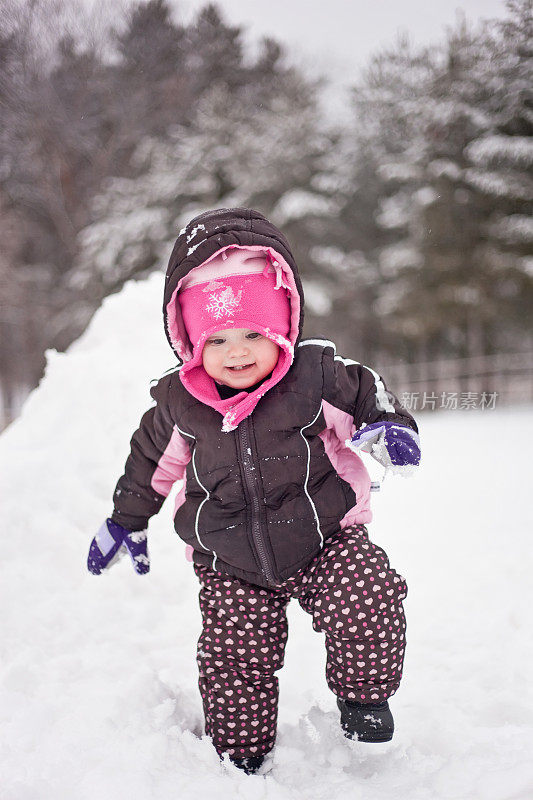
column 171, row 466
column 348, row 465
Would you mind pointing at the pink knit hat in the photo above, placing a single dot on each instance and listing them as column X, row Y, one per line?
column 239, row 290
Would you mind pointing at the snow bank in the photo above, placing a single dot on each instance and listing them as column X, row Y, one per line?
column 98, row 695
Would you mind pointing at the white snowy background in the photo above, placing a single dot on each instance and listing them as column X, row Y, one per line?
column 98, row 694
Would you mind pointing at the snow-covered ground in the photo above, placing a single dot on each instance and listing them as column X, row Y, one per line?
column 98, row 694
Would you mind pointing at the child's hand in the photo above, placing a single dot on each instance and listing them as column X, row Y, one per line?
column 110, row 544
column 395, row 446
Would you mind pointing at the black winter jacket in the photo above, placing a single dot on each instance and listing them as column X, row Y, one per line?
column 258, row 502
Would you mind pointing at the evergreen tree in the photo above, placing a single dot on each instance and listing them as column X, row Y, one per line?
column 384, row 170
column 500, row 172
column 215, row 51
column 153, row 80
column 101, row 142
column 234, row 151
column 412, row 224
column 425, row 118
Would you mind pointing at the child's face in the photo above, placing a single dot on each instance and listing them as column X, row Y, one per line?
column 239, row 357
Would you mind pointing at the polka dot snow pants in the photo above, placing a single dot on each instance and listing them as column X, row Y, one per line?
column 354, row 597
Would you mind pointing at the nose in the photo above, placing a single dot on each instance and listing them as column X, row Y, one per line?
column 238, row 349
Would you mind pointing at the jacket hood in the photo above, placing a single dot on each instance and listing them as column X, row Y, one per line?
column 199, row 244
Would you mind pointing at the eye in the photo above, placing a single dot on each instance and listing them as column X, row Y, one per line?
column 215, row 341
column 253, row 335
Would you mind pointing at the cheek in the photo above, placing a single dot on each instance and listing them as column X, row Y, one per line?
column 271, row 355
column 208, row 361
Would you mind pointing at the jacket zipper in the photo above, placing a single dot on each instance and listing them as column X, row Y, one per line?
column 252, row 486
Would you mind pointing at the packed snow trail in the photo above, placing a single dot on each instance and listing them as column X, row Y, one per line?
column 98, row 696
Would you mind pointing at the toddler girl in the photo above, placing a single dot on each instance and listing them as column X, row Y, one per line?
column 264, row 428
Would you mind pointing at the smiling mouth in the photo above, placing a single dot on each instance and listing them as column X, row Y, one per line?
column 241, row 368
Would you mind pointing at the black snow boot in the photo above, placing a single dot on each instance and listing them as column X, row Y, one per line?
column 366, row 722
column 249, row 765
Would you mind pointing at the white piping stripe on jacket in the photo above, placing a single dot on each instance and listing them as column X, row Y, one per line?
column 381, row 393
column 307, row 473
column 206, row 498
column 321, row 342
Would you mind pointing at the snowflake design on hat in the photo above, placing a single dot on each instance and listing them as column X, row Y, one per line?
column 224, row 304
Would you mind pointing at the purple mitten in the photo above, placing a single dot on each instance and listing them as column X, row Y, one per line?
column 395, row 446
column 110, row 544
